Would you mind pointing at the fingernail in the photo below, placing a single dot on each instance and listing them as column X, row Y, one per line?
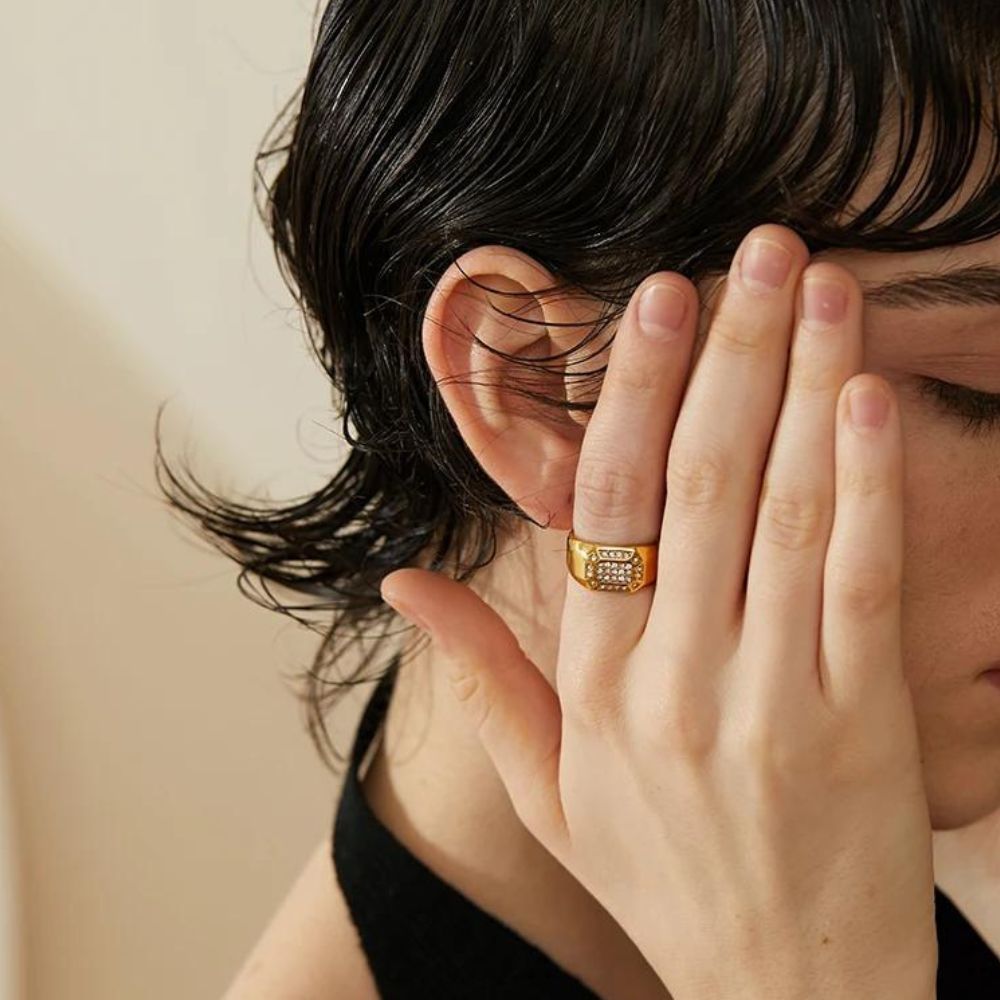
column 765, row 264
column 824, row 301
column 662, row 309
column 868, row 407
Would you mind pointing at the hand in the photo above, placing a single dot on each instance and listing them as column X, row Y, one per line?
column 729, row 762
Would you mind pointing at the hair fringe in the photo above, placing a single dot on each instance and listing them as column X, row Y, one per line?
column 605, row 139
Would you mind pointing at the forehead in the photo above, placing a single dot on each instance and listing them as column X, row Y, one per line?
column 960, row 275
column 954, row 286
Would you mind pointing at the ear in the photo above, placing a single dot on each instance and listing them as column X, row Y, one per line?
column 528, row 449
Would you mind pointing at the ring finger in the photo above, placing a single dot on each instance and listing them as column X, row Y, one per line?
column 795, row 517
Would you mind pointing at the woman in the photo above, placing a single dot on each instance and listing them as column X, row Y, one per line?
column 484, row 189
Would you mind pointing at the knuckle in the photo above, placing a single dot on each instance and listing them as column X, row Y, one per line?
column 768, row 754
column 732, row 336
column 686, row 736
column 792, row 519
column 675, row 727
column 607, row 489
column 587, row 698
column 763, row 768
column 863, row 590
column 638, row 379
column 777, row 759
column 697, row 479
column 470, row 692
column 858, row 481
column 814, row 377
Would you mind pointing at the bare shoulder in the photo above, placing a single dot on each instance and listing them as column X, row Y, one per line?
column 310, row 949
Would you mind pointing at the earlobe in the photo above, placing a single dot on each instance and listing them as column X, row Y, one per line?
column 494, row 294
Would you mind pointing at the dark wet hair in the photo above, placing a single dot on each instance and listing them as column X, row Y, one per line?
column 607, row 139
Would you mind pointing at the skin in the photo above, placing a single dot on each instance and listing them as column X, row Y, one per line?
column 951, row 590
column 431, row 780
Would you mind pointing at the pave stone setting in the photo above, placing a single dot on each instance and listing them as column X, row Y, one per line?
column 608, row 568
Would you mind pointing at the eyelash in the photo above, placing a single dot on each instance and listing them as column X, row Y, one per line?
column 979, row 410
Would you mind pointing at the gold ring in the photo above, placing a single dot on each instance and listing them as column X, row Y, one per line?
column 598, row 566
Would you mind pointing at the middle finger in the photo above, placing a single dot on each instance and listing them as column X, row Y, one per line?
column 720, row 444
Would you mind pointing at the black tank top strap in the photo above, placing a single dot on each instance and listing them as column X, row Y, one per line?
column 373, row 715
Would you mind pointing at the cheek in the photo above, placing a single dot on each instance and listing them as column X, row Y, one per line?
column 951, row 620
column 951, row 604
column 951, row 586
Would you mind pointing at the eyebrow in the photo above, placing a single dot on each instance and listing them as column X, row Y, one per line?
column 971, row 285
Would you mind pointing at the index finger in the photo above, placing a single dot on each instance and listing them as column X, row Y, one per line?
column 620, row 484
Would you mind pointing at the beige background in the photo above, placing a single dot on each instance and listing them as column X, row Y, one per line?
column 158, row 793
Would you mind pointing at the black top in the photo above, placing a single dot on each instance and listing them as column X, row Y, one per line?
column 423, row 938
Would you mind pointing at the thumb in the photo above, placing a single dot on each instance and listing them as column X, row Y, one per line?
column 516, row 713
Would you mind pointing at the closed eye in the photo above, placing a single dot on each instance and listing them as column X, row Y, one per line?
column 979, row 411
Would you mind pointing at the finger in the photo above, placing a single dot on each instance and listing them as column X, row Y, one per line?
column 795, row 513
column 514, row 710
column 860, row 631
column 721, row 442
column 619, row 487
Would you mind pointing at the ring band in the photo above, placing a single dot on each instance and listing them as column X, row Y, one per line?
column 598, row 566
